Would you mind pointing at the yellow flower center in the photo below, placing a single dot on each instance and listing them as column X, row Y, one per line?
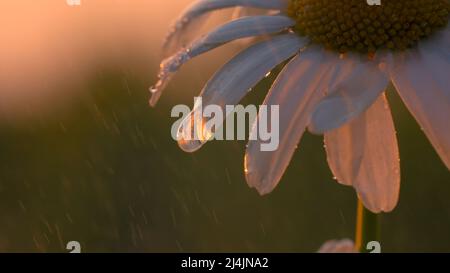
column 354, row 25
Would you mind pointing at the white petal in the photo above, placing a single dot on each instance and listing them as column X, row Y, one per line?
column 232, row 82
column 439, row 42
column 335, row 246
column 297, row 90
column 243, row 11
column 249, row 26
column 364, row 154
column 240, row 28
column 447, row 30
column 423, row 81
column 349, row 98
column 444, row 38
column 194, row 13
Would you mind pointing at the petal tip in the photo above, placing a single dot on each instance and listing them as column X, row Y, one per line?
column 376, row 206
column 259, row 183
column 154, row 98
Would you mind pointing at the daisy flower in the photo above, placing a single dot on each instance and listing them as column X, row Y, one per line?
column 341, row 55
column 338, row 246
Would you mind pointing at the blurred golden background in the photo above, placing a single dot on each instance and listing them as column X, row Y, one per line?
column 83, row 157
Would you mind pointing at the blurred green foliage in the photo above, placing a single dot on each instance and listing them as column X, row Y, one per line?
column 106, row 172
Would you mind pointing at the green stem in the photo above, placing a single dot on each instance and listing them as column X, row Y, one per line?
column 367, row 227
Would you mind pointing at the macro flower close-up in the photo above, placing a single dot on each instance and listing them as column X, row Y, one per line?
column 225, row 135
column 340, row 57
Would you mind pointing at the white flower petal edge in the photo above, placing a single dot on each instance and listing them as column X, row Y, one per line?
column 195, row 11
column 232, row 82
column 349, row 98
column 364, row 153
column 447, row 30
column 247, row 27
column 422, row 79
column 242, row 12
column 338, row 246
column 297, row 89
column 240, row 28
column 440, row 43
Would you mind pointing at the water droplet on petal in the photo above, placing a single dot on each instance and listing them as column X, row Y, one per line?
column 191, row 134
column 168, row 68
column 190, row 146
